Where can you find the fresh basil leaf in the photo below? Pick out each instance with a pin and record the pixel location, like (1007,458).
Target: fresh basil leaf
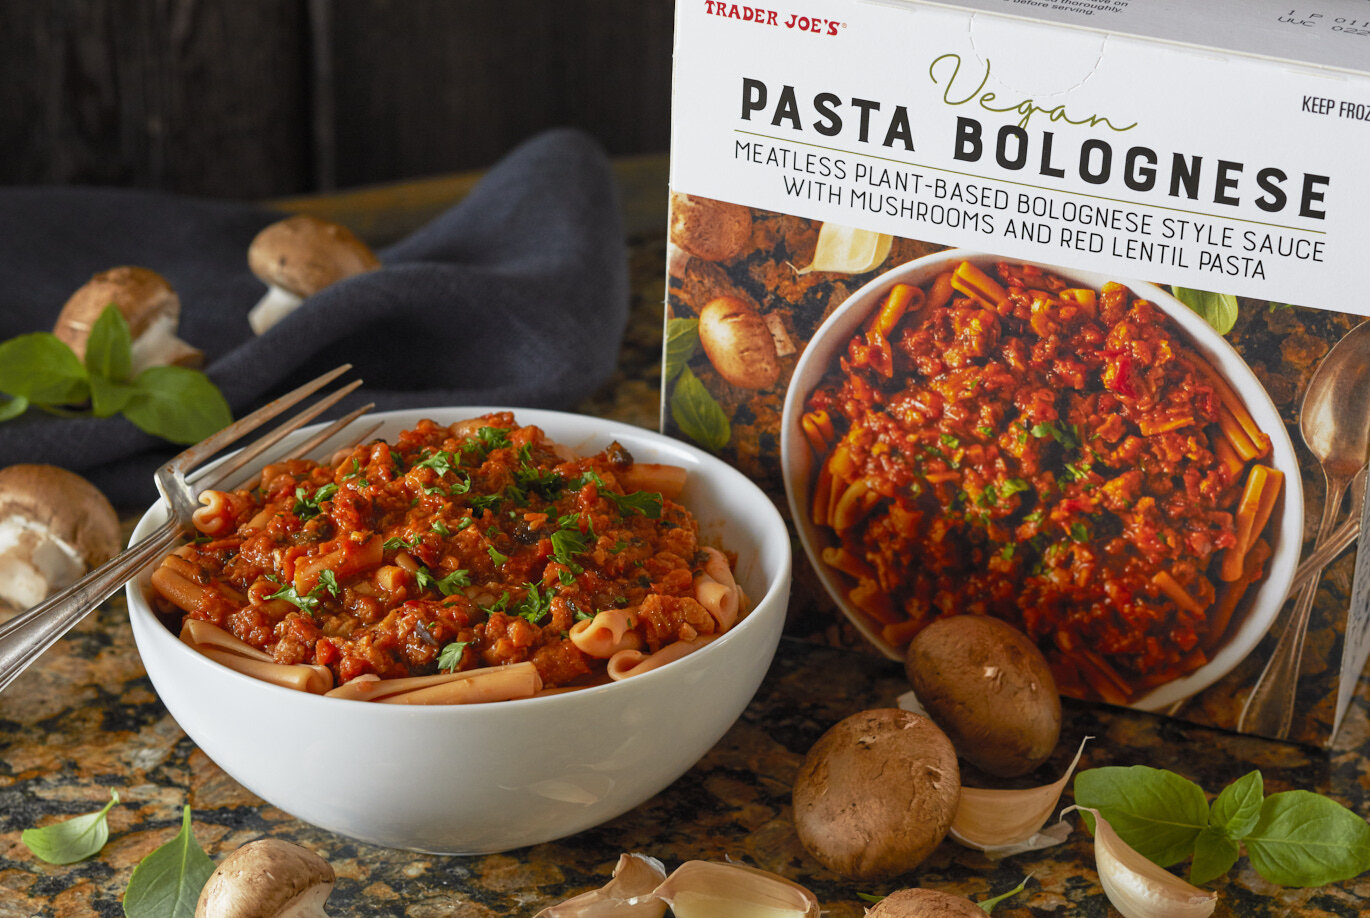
(1214,854)
(682,343)
(1238,806)
(1305,839)
(987,906)
(1157,812)
(698,414)
(43,370)
(70,840)
(108,396)
(109,350)
(177,404)
(167,883)
(1217,309)
(13,407)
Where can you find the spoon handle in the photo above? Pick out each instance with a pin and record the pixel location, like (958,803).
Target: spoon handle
(1269,709)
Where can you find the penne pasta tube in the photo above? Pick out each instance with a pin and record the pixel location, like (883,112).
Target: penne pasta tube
(316,680)
(605,635)
(628,663)
(843,560)
(198,633)
(719,599)
(182,592)
(976,284)
(818,430)
(667,480)
(1172,588)
(467,687)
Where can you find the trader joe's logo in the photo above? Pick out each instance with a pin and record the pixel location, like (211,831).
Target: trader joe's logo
(777,18)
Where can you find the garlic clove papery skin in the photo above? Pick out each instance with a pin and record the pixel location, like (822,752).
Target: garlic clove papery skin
(628,894)
(1005,822)
(1138,888)
(713,889)
(848,250)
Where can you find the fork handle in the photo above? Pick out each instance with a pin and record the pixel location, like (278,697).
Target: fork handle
(24,637)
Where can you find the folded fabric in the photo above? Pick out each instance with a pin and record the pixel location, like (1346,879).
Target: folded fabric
(517,296)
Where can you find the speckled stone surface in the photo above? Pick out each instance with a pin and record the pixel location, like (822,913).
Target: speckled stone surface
(84,721)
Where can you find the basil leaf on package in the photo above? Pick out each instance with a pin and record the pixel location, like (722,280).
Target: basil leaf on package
(698,414)
(40,368)
(1157,812)
(1214,854)
(73,839)
(109,350)
(1217,309)
(177,404)
(167,883)
(1305,839)
(682,343)
(12,407)
(1238,806)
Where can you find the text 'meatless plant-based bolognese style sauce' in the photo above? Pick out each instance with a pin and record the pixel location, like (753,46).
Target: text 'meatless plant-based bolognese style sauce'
(455,549)
(1001,442)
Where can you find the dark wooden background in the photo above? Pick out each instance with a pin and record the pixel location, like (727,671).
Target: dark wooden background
(263,98)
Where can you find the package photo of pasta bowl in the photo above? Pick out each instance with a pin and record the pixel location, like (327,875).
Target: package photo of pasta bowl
(515,624)
(1079,455)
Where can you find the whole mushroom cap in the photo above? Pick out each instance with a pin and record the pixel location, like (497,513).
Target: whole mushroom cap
(144,298)
(268,878)
(924,903)
(303,254)
(71,508)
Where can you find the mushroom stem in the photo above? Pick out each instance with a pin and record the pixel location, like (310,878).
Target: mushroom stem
(275,305)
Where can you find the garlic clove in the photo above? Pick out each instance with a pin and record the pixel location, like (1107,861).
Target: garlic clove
(714,889)
(1005,822)
(848,250)
(1139,888)
(629,894)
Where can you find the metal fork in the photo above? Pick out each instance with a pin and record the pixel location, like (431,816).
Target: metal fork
(24,637)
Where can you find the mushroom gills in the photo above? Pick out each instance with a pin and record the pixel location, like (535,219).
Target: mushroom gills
(34,562)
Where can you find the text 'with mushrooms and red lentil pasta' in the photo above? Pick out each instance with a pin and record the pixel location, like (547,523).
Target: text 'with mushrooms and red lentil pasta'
(1001,442)
(463,563)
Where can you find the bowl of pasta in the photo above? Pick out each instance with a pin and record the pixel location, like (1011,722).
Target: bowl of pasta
(1084,458)
(478,630)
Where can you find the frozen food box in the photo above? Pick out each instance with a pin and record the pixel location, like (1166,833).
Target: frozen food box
(1048,310)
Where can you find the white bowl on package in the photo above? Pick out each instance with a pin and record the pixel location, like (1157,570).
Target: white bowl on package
(475,779)
(1258,610)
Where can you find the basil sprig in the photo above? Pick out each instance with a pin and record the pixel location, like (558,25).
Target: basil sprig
(1219,310)
(174,403)
(1294,838)
(167,883)
(70,840)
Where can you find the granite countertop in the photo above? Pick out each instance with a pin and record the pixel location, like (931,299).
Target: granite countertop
(84,720)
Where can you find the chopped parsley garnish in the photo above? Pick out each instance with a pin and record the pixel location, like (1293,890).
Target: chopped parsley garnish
(440,529)
(496,557)
(949,440)
(1079,532)
(568,542)
(395,543)
(441,462)
(1007,551)
(486,440)
(308,603)
(447,586)
(1068,435)
(647,503)
(328,581)
(307,505)
(985,431)
(535,605)
(500,604)
(356,473)
(449,658)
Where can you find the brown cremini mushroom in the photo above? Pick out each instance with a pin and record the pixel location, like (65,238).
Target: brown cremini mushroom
(299,256)
(924,903)
(54,526)
(709,229)
(268,878)
(148,304)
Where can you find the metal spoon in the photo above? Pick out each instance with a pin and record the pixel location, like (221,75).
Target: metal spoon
(1335,422)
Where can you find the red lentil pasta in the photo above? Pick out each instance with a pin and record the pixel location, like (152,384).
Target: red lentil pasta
(464,563)
(1001,442)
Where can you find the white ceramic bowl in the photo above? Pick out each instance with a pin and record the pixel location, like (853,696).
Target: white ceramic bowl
(1258,611)
(483,778)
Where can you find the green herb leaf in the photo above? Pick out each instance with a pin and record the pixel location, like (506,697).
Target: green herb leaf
(1157,812)
(449,658)
(448,585)
(698,414)
(13,407)
(987,906)
(109,349)
(1217,309)
(70,840)
(497,557)
(1237,808)
(682,343)
(42,369)
(307,506)
(168,881)
(1214,854)
(109,397)
(646,503)
(535,604)
(177,404)
(1305,839)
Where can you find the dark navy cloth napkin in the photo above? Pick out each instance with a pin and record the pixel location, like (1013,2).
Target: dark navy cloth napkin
(516,296)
